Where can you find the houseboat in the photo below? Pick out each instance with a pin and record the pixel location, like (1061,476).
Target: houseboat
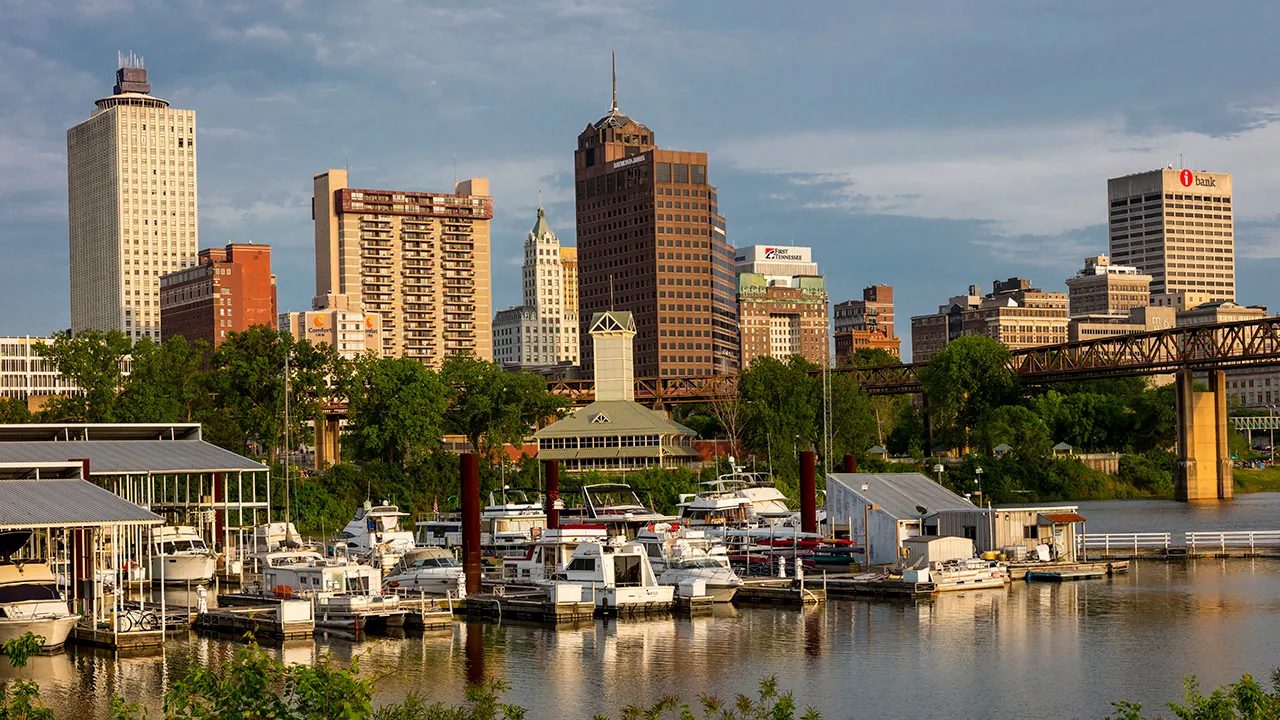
(180,555)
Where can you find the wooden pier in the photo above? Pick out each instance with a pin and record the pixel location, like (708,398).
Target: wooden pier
(279,620)
(784,592)
(529,605)
(861,586)
(1076,570)
(132,640)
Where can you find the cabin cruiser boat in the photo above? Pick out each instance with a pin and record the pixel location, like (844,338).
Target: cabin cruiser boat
(615,506)
(437,532)
(30,601)
(374,534)
(618,576)
(549,554)
(273,536)
(682,554)
(180,555)
(345,593)
(509,522)
(735,500)
(966,574)
(433,571)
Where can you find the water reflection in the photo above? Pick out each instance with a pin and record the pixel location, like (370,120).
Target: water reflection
(1033,650)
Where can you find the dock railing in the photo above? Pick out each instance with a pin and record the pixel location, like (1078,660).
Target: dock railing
(1232,540)
(1112,543)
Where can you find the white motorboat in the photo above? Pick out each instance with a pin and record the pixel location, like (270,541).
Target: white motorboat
(737,499)
(435,531)
(680,554)
(273,536)
(179,554)
(549,554)
(433,571)
(617,577)
(509,522)
(346,593)
(31,603)
(374,535)
(615,506)
(967,574)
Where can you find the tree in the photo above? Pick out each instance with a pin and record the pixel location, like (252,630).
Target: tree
(13,411)
(853,422)
(94,362)
(1016,426)
(490,406)
(780,412)
(963,382)
(166,382)
(725,405)
(395,409)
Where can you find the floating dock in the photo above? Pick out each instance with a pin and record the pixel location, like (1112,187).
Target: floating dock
(1064,575)
(278,620)
(879,586)
(784,592)
(530,605)
(1078,570)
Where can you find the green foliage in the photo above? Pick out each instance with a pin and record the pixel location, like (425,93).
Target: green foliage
(21,648)
(965,381)
(165,383)
(781,402)
(1150,472)
(13,411)
(853,421)
(395,410)
(1242,700)
(93,361)
(490,407)
(1015,426)
(769,704)
(21,700)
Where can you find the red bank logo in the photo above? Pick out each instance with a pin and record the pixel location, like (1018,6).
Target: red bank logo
(1186,178)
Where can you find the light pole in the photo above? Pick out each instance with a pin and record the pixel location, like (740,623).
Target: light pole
(977,481)
(939,469)
(1271,409)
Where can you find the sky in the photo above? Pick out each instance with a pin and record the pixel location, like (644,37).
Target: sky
(928,146)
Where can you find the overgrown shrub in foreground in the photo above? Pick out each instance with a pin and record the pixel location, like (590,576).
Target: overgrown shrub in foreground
(1243,700)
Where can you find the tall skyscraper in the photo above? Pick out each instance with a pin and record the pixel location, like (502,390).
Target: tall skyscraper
(651,242)
(544,330)
(131,201)
(230,290)
(1177,227)
(782,304)
(419,261)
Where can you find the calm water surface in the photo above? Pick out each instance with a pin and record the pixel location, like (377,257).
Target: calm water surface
(1032,651)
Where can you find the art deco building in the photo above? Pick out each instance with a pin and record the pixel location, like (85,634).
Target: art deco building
(230,290)
(544,330)
(866,323)
(651,242)
(131,202)
(419,261)
(782,304)
(1177,227)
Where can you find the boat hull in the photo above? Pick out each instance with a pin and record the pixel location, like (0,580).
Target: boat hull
(53,630)
(431,585)
(178,569)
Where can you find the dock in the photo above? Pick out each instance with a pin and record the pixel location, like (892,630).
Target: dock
(875,585)
(278,620)
(784,592)
(1064,575)
(532,604)
(1183,546)
(132,640)
(1076,570)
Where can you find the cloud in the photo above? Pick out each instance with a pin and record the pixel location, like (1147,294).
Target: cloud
(1028,179)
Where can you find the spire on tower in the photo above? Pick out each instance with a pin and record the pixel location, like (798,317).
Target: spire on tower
(613,61)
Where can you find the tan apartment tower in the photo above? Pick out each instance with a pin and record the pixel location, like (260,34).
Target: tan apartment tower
(131,205)
(1177,227)
(417,260)
(651,242)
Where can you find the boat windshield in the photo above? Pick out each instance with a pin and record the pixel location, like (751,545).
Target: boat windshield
(443,562)
(699,562)
(28,592)
(171,547)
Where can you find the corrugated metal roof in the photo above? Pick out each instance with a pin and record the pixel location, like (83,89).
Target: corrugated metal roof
(120,457)
(28,504)
(898,494)
(1060,518)
(100,431)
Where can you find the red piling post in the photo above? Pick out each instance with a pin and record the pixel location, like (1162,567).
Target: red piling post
(850,463)
(553,494)
(808,492)
(470,466)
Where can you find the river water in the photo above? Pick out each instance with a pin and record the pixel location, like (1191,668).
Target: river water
(1031,651)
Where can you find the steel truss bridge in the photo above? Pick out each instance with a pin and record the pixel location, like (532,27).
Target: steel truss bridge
(1196,348)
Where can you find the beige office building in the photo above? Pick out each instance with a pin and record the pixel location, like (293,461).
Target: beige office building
(1103,289)
(1014,314)
(131,202)
(542,332)
(419,261)
(352,333)
(1177,227)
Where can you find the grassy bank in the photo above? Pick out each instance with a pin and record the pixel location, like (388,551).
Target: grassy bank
(1252,481)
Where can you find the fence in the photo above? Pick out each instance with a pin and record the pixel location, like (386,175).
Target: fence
(1190,543)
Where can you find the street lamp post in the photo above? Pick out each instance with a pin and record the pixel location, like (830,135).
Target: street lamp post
(977,482)
(938,469)
(1271,409)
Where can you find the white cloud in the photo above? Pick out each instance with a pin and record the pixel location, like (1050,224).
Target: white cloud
(1032,179)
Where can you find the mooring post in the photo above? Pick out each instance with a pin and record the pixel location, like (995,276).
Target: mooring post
(470,467)
(553,494)
(808,492)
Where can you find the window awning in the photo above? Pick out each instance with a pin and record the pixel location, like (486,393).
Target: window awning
(1060,518)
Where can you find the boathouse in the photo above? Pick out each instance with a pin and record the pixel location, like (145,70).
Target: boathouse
(1017,531)
(884,509)
(615,433)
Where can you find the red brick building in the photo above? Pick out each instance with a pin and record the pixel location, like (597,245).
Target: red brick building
(230,290)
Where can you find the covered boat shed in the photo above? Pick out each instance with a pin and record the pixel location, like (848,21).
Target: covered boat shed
(89,537)
(166,468)
(884,509)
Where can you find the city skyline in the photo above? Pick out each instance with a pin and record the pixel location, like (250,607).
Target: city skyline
(1010,180)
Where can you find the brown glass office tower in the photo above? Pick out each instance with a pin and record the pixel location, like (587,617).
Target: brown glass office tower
(651,242)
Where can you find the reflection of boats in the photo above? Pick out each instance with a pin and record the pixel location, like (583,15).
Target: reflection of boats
(180,555)
(434,571)
(342,590)
(29,598)
(374,534)
(681,554)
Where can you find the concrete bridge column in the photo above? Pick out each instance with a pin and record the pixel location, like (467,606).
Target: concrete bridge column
(1204,460)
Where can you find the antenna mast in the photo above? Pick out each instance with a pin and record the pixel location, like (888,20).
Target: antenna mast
(613,62)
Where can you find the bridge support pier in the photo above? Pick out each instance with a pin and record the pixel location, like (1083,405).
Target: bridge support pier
(1204,470)
(328,442)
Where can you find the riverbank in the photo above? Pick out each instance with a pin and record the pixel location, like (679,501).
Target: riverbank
(1255,481)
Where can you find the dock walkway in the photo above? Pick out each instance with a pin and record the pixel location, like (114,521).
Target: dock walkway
(1179,546)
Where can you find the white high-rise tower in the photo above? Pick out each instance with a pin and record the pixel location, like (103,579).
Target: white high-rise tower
(131,196)
(544,330)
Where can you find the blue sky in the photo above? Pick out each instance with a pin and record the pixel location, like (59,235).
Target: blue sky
(928,146)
